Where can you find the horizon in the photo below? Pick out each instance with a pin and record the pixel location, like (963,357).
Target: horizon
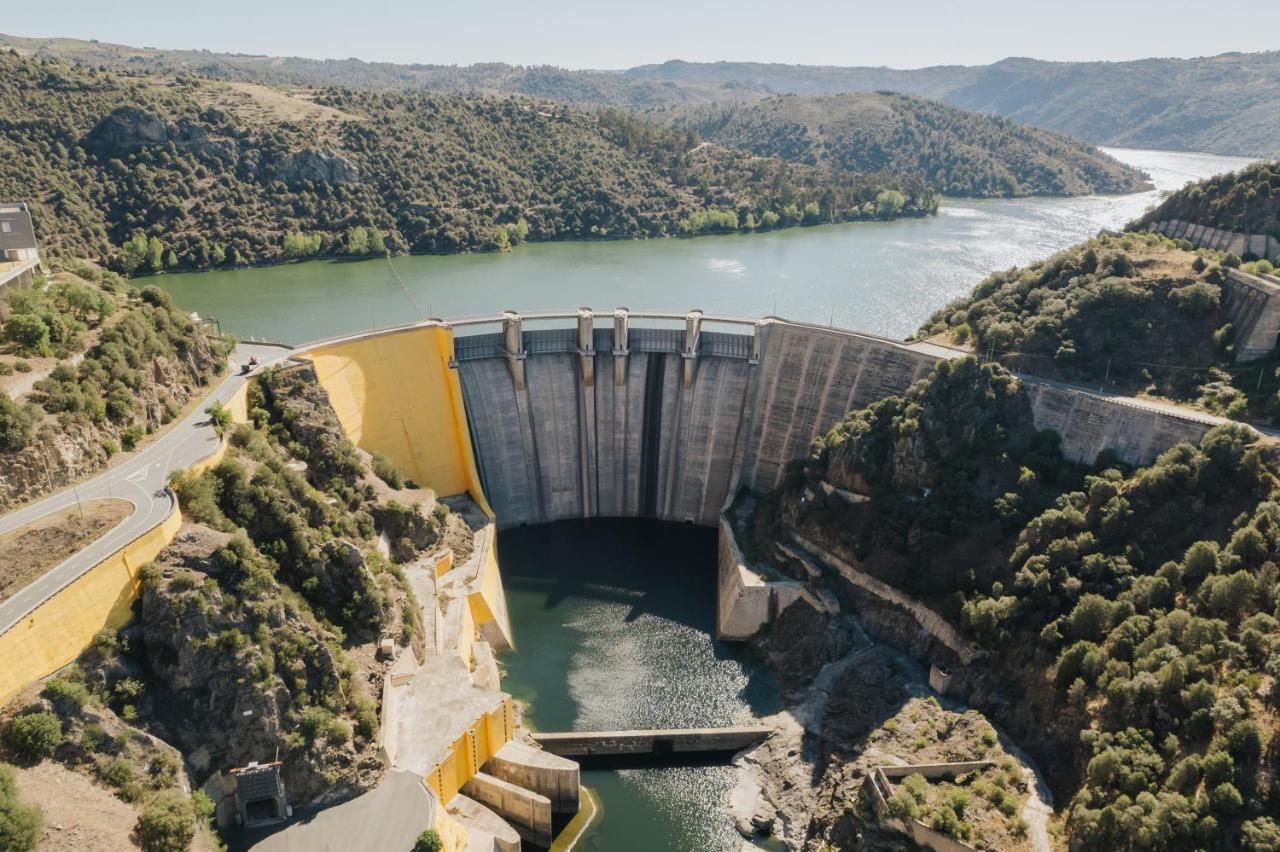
(577,36)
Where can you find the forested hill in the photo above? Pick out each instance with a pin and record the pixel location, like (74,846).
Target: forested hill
(958,152)
(154,172)
(1228,104)
(1247,202)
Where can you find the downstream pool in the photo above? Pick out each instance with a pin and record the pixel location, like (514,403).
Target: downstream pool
(613,620)
(880,277)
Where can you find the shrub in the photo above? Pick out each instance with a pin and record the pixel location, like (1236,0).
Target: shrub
(34,736)
(118,774)
(386,471)
(20,824)
(166,824)
(68,696)
(903,806)
(428,841)
(28,333)
(130,437)
(15,425)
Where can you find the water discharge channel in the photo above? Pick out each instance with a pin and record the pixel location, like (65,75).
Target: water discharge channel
(613,619)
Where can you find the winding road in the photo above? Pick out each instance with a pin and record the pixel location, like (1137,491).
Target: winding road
(142,480)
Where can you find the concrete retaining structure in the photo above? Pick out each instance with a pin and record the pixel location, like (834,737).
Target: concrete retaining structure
(540,771)
(674,741)
(1241,245)
(1253,305)
(528,813)
(746,601)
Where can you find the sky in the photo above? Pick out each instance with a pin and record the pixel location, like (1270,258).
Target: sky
(610,34)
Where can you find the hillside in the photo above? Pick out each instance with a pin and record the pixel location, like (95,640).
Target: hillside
(1247,202)
(1138,314)
(1224,104)
(89,369)
(960,153)
(1127,618)
(156,173)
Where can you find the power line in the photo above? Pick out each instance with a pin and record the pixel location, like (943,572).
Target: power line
(404,289)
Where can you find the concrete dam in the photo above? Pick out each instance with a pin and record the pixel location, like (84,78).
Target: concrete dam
(670,422)
(552,416)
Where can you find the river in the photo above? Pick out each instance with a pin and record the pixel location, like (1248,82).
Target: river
(612,619)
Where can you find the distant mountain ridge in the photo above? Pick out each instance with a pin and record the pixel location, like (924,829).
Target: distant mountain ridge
(1226,104)
(959,152)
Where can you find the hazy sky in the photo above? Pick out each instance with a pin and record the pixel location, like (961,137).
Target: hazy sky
(610,34)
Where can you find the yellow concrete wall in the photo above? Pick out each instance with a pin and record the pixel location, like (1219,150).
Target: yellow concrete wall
(472,750)
(395,394)
(64,626)
(490,602)
(238,405)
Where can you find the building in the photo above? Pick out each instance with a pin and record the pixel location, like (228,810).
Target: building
(19,254)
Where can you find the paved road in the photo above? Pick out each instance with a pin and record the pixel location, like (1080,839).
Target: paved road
(141,480)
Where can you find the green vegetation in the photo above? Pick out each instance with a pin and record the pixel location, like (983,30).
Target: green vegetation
(166,824)
(1134,314)
(1150,597)
(956,152)
(428,841)
(1247,202)
(33,736)
(1223,104)
(20,823)
(156,173)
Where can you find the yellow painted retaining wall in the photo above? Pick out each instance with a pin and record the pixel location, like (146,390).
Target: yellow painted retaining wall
(395,394)
(63,627)
(489,604)
(472,750)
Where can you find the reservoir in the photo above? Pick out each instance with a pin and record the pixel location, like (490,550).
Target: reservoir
(880,277)
(613,619)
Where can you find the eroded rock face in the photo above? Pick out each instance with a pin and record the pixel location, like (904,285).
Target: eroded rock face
(238,672)
(129,128)
(313,165)
(60,455)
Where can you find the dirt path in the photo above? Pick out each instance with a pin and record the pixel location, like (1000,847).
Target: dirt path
(79,815)
(31,551)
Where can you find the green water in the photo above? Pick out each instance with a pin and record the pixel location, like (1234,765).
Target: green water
(613,621)
(877,277)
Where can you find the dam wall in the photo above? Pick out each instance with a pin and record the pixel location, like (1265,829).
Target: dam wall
(631,438)
(672,423)
(1253,306)
(1241,245)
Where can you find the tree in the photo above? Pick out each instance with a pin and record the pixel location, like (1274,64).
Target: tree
(219,418)
(1261,835)
(167,824)
(768,219)
(34,736)
(15,425)
(133,253)
(889,203)
(29,333)
(428,841)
